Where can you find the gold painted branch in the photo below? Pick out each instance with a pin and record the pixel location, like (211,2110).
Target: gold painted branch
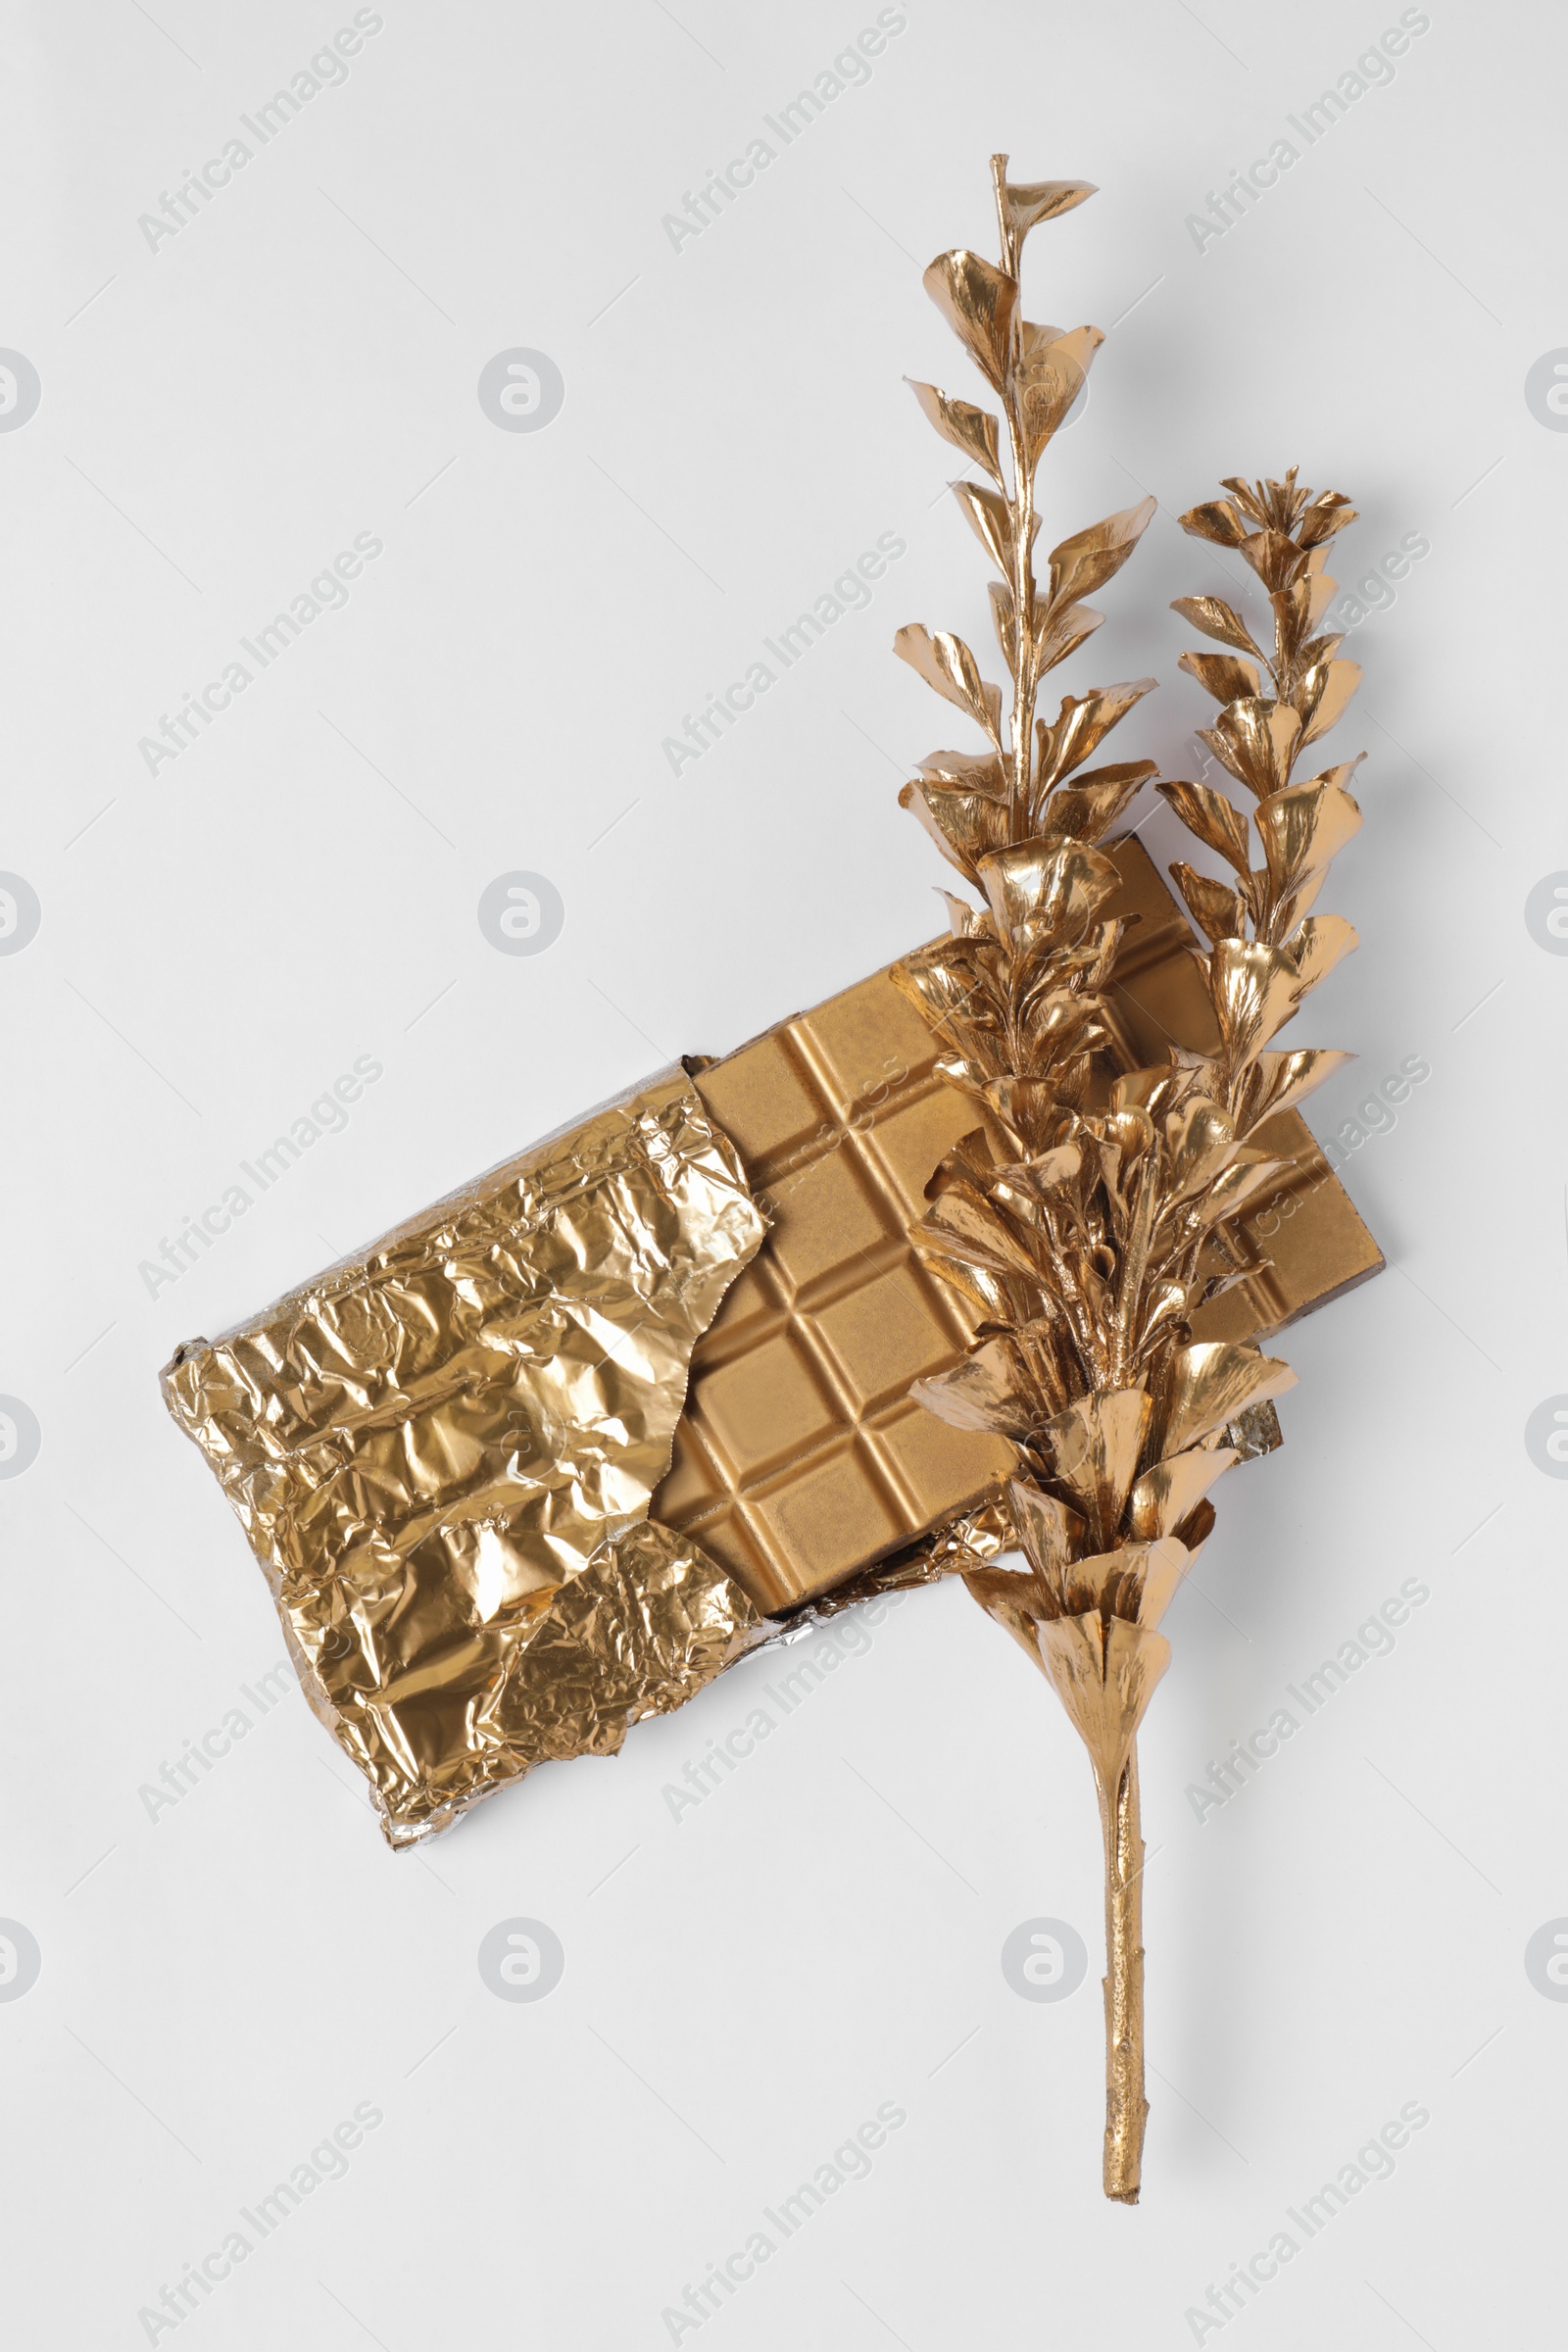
(1086,1231)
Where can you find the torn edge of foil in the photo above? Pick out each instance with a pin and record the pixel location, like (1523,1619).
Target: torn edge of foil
(640,1619)
(971,1540)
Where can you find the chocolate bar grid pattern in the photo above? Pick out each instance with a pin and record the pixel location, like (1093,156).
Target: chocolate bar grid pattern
(791,1524)
(802,1456)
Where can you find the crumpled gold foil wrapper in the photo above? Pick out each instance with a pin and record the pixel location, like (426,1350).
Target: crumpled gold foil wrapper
(443,1451)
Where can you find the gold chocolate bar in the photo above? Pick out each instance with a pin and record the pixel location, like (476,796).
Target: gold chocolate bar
(800,1458)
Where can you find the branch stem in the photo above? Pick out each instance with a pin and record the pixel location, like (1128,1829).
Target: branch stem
(1022,585)
(1126,2108)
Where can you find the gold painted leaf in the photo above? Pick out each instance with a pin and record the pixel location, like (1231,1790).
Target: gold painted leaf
(1216,618)
(1127,1133)
(948,988)
(1157,1573)
(1222,675)
(1046,1528)
(982,1391)
(1322,942)
(1199,1140)
(1164,1495)
(1025,204)
(1029,1111)
(1254,740)
(1092,557)
(964,825)
(1095,1583)
(1065,633)
(1340,775)
(1135,1584)
(1326,692)
(1214,905)
(1259,502)
(1255,991)
(1211,1381)
(1061,885)
(990,517)
(966,429)
(1319,650)
(1169,1303)
(1082,725)
(969,1074)
(981,305)
(1105,1675)
(1059,1024)
(1245,1178)
(1012,1601)
(1094,1446)
(947,664)
(1153,1089)
(984,1293)
(1325,514)
(1303,829)
(1280,1080)
(962,1225)
(1217,821)
(1053,1170)
(1218,523)
(1276,560)
(1089,806)
(1052,369)
(1298,610)
(969,771)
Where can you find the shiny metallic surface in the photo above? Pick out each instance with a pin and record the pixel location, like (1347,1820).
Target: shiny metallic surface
(1093,1231)
(443,1451)
(801,1459)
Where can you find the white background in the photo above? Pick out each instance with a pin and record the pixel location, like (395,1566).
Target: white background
(219,417)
